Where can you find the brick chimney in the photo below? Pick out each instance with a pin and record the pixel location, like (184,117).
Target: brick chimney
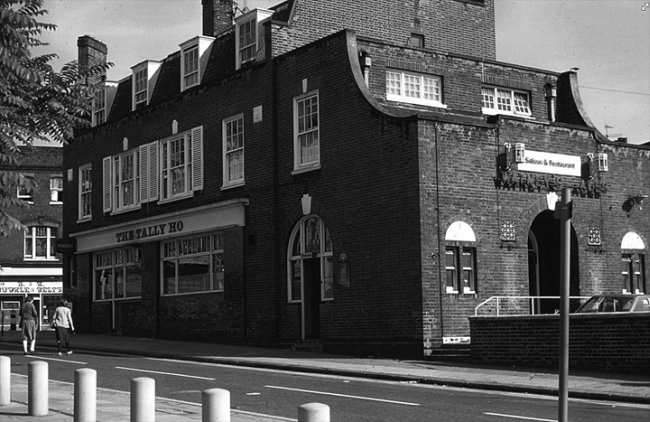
(217,16)
(91,52)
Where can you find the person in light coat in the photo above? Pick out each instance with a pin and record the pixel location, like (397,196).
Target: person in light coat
(62,323)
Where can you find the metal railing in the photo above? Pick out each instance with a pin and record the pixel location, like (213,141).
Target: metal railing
(522,305)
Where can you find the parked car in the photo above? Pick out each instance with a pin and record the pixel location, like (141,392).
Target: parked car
(615,303)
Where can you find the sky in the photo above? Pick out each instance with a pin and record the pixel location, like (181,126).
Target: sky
(608,40)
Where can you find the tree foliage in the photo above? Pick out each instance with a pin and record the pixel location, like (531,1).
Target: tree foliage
(37,103)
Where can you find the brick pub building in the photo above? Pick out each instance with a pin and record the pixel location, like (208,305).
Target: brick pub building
(356,176)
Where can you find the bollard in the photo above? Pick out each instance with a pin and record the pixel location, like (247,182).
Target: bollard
(85,395)
(143,400)
(5,380)
(314,412)
(215,405)
(37,389)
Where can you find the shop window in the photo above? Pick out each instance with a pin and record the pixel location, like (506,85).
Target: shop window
(118,274)
(40,243)
(193,265)
(56,190)
(306,132)
(310,243)
(233,151)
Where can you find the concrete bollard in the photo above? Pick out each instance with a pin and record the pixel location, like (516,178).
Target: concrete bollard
(85,395)
(5,380)
(215,405)
(37,388)
(143,400)
(314,412)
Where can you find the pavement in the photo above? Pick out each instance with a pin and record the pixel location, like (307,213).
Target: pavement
(114,405)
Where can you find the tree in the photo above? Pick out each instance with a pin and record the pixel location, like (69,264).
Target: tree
(36,102)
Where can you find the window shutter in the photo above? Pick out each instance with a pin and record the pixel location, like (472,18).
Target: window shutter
(153,171)
(144,173)
(197,158)
(108,188)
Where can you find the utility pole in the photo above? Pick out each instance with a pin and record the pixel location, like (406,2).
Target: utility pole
(564,211)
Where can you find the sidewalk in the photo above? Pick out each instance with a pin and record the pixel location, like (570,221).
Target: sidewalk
(615,386)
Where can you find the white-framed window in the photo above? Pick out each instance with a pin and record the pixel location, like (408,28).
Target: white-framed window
(126,181)
(233,151)
(193,265)
(26,189)
(416,88)
(40,243)
(306,131)
(175,167)
(460,269)
(309,256)
(118,273)
(140,87)
(247,41)
(99,107)
(56,190)
(191,67)
(633,272)
(85,192)
(505,101)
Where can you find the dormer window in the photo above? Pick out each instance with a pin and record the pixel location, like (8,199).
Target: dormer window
(102,102)
(250,35)
(140,87)
(99,107)
(194,59)
(144,80)
(191,68)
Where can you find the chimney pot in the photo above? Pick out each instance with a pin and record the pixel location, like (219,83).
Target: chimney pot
(217,16)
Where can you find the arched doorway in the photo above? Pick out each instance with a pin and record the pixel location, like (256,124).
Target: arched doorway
(310,270)
(544,257)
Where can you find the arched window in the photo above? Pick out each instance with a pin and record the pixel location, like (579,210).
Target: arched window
(633,263)
(310,257)
(460,258)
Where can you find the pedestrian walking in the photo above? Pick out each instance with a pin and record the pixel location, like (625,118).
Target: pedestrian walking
(28,316)
(62,323)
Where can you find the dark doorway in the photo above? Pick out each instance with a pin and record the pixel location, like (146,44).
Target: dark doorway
(311,299)
(544,256)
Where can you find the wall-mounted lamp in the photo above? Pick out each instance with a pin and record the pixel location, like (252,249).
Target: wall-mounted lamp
(366,63)
(520,152)
(637,200)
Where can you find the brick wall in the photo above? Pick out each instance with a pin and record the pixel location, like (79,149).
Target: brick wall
(609,342)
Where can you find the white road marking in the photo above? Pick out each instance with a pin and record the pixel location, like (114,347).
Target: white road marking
(325,393)
(39,357)
(164,373)
(523,418)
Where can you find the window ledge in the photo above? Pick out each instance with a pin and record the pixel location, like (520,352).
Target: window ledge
(41,259)
(233,185)
(85,219)
(56,203)
(202,292)
(492,112)
(176,198)
(417,101)
(125,210)
(306,169)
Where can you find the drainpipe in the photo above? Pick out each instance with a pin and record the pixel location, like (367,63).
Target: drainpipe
(440,244)
(551,95)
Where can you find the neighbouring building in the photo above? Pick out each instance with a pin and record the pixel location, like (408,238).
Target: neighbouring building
(355,176)
(29,261)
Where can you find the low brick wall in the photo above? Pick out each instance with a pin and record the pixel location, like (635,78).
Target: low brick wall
(609,342)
